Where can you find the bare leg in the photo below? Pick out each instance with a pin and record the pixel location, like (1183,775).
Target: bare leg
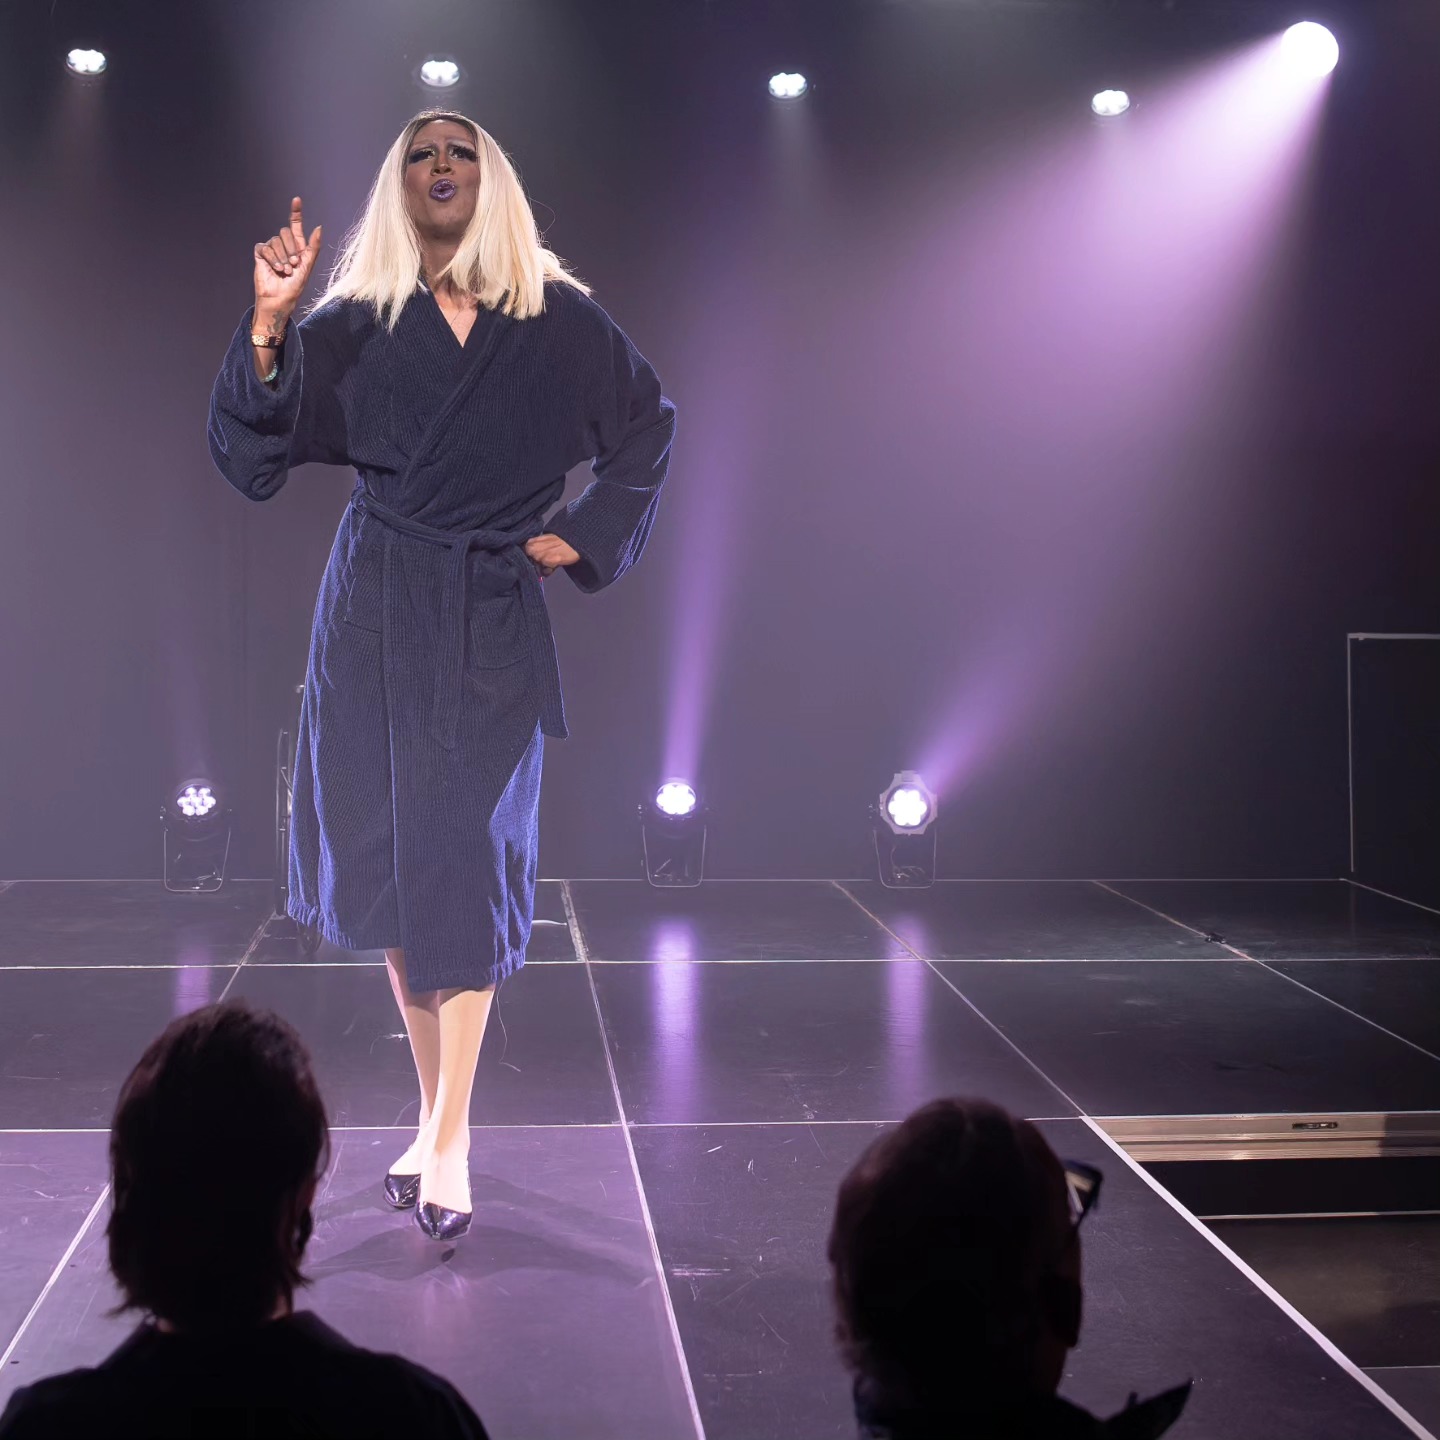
(421,1014)
(445,1167)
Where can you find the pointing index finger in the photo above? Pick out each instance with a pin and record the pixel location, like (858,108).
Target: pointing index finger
(297,222)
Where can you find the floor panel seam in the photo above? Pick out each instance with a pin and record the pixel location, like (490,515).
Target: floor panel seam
(1131,900)
(244,960)
(1354,1014)
(965,999)
(1390,895)
(55,1275)
(582,951)
(1270,967)
(1321,1215)
(1327,1345)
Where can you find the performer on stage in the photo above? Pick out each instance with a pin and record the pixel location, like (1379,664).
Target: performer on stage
(456,363)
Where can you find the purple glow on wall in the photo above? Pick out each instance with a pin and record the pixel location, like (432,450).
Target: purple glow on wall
(703,524)
(736,385)
(1107,291)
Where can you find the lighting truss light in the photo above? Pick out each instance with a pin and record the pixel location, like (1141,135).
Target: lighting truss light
(788,87)
(673,828)
(676,798)
(440,73)
(904,830)
(1110,102)
(86,62)
(1310,49)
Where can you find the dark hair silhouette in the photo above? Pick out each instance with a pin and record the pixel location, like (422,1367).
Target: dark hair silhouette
(943,1232)
(219,1134)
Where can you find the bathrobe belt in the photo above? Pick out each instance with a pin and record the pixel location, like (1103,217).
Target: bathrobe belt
(450,666)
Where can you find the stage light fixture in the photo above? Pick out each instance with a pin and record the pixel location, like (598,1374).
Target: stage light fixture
(196,801)
(676,798)
(1310,49)
(440,73)
(673,828)
(905,833)
(86,62)
(907,808)
(197,831)
(788,87)
(1110,102)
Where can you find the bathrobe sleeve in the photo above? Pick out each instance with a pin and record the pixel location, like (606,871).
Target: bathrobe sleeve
(257,432)
(631,430)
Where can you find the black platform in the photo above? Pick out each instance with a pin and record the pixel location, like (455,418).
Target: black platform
(673,1088)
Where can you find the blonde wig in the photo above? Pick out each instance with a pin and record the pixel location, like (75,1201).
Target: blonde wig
(501,260)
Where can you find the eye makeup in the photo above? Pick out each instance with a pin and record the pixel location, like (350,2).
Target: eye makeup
(458,150)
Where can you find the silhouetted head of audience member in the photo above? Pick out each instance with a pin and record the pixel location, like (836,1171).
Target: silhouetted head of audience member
(218,1141)
(956,1264)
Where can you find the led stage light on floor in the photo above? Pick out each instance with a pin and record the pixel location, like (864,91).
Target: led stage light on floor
(905,833)
(676,798)
(197,830)
(440,73)
(788,87)
(672,836)
(1110,102)
(195,802)
(86,62)
(908,804)
(1310,49)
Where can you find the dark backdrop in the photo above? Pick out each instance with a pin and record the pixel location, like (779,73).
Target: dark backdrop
(1105,575)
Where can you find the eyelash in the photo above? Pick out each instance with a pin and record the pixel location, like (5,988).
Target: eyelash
(463,151)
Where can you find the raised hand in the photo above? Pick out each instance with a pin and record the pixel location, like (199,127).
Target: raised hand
(282,266)
(549,553)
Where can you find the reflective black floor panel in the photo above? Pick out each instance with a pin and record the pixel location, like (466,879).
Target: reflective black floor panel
(1026,920)
(1371,1282)
(742,1215)
(751,1085)
(1401,995)
(549,1316)
(1208,1038)
(127,922)
(704,1043)
(728,920)
(69,1037)
(1295,919)
(48,1185)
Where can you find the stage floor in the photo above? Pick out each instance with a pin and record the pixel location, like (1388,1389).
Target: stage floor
(673,1087)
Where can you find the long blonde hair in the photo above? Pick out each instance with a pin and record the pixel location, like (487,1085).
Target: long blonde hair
(501,260)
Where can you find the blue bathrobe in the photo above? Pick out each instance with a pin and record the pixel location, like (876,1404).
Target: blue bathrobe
(432,677)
